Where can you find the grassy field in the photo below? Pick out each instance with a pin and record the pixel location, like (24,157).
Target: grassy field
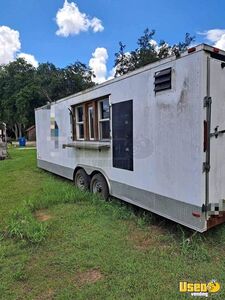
(58,243)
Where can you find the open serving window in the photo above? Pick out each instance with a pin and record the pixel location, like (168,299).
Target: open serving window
(91,124)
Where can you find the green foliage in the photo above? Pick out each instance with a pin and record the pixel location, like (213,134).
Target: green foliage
(19,273)
(22,225)
(76,77)
(17,89)
(147,52)
(193,246)
(55,83)
(24,88)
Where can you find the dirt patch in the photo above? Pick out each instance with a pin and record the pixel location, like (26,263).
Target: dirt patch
(143,244)
(42,215)
(48,295)
(89,276)
(141,240)
(145,239)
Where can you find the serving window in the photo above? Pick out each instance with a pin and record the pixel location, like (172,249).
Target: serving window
(91,120)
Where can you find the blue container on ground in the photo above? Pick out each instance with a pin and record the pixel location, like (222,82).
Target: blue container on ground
(22,142)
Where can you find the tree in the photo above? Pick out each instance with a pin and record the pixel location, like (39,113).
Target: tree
(122,61)
(24,88)
(182,46)
(148,51)
(16,78)
(55,83)
(49,81)
(76,77)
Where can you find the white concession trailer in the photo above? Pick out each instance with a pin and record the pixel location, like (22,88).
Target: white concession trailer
(154,138)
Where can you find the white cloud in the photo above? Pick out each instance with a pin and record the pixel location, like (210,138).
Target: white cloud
(96,24)
(112,73)
(71,21)
(9,44)
(30,59)
(216,37)
(153,43)
(98,64)
(221,42)
(213,35)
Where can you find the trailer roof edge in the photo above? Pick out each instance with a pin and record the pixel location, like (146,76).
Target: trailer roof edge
(201,47)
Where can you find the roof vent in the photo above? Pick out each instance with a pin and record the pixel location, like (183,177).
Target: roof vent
(163,80)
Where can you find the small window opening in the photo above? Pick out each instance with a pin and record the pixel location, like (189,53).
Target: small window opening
(80,122)
(91,122)
(104,123)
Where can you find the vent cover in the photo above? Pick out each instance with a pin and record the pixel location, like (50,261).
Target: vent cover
(163,80)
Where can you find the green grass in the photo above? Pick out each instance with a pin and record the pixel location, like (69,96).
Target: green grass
(89,248)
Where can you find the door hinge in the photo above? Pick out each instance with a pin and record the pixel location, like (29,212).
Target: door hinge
(217,132)
(207,101)
(206,167)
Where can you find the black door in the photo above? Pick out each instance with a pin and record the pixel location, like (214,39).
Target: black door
(122,131)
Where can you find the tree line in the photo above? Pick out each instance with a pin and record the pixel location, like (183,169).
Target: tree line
(147,51)
(24,87)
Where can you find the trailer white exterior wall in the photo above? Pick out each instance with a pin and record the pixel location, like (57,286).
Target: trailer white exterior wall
(168,137)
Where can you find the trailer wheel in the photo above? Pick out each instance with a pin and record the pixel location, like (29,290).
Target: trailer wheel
(82,180)
(99,186)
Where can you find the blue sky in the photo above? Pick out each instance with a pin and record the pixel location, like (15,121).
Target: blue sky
(105,23)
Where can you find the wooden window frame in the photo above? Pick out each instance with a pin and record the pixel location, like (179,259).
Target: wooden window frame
(96,120)
(100,121)
(78,123)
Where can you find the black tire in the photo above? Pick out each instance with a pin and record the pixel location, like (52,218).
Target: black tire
(99,186)
(82,180)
